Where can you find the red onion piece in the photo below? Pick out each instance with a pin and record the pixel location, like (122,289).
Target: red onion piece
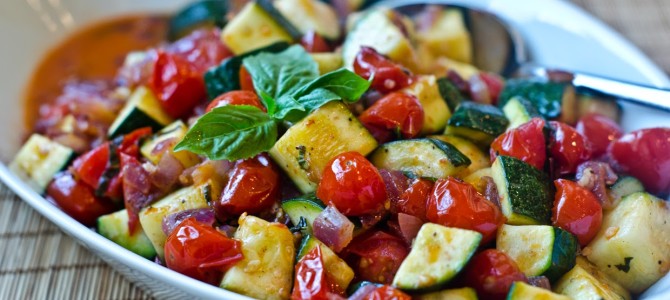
(167,172)
(595,176)
(479,91)
(396,183)
(409,226)
(460,83)
(540,281)
(136,188)
(333,228)
(226,229)
(491,191)
(172,221)
(363,291)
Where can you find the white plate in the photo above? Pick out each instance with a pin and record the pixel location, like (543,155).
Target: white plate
(558,33)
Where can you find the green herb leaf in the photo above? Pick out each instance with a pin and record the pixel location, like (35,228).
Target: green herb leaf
(231,132)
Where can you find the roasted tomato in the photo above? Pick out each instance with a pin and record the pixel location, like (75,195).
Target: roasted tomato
(352,184)
(396,112)
(568,148)
(645,155)
(599,131)
(77,199)
(576,210)
(413,200)
(311,281)
(178,85)
(314,43)
(236,98)
(376,256)
(253,187)
(491,273)
(454,203)
(494,83)
(202,48)
(388,76)
(525,142)
(386,292)
(199,251)
(246,82)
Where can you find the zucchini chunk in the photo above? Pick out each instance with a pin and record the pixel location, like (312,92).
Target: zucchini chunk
(519,111)
(633,245)
(338,269)
(466,293)
(252,28)
(114,227)
(423,157)
(141,110)
(539,249)
(546,96)
(190,197)
(376,29)
(307,147)
(175,132)
(448,36)
(593,104)
(623,187)
(521,291)
(211,13)
(38,161)
(478,159)
(307,206)
(309,15)
(480,123)
(436,113)
(438,254)
(449,93)
(327,61)
(585,281)
(525,192)
(226,76)
(266,271)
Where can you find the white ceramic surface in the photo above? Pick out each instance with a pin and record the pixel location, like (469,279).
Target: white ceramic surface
(558,33)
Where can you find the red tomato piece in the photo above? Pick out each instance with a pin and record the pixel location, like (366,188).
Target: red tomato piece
(377,256)
(455,203)
(314,43)
(388,76)
(386,293)
(90,166)
(599,131)
(199,251)
(202,48)
(131,142)
(491,273)
(253,187)
(494,83)
(568,148)
(352,184)
(576,210)
(236,98)
(246,82)
(398,112)
(310,281)
(178,85)
(413,200)
(645,155)
(77,199)
(525,142)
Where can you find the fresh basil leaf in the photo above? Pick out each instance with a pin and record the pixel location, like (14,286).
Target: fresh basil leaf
(342,82)
(231,132)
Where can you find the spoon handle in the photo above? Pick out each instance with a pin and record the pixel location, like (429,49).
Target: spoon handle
(624,91)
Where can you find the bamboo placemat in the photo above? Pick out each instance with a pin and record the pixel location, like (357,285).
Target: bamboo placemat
(37,261)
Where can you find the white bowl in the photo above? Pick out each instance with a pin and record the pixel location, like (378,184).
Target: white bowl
(558,33)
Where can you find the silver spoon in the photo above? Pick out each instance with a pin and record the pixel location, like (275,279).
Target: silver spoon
(499,48)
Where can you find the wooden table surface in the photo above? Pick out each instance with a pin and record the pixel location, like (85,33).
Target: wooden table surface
(37,261)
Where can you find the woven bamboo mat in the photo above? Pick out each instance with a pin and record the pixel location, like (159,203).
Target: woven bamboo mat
(37,261)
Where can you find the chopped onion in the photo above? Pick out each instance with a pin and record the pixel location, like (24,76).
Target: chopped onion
(479,91)
(363,291)
(409,226)
(333,228)
(396,184)
(491,191)
(172,221)
(167,172)
(595,176)
(540,281)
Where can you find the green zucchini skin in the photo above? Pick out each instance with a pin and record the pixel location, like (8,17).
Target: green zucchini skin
(197,14)
(114,227)
(226,76)
(37,169)
(480,123)
(293,31)
(449,93)
(307,206)
(623,187)
(563,255)
(544,95)
(518,111)
(521,290)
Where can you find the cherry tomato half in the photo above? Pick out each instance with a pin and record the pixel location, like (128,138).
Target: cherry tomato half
(645,155)
(90,166)
(314,43)
(413,200)
(491,273)
(525,142)
(352,184)
(576,210)
(599,131)
(568,148)
(199,251)
(246,82)
(397,112)
(454,203)
(177,84)
(236,98)
(310,281)
(386,292)
(202,48)
(77,199)
(377,256)
(494,83)
(388,76)
(253,187)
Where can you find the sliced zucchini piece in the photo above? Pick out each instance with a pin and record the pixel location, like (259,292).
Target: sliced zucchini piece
(307,147)
(114,227)
(422,157)
(338,269)
(173,132)
(442,65)
(633,245)
(327,61)
(466,293)
(449,93)
(519,111)
(546,96)
(191,197)
(141,110)
(585,281)
(525,192)
(448,36)
(587,104)
(623,187)
(480,123)
(266,271)
(38,161)
(438,254)
(308,15)
(436,113)
(522,291)
(226,76)
(210,13)
(478,159)
(539,250)
(252,28)
(307,206)
(376,29)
